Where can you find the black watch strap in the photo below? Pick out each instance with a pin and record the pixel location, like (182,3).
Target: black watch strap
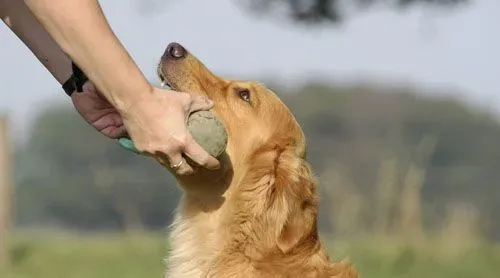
(75,81)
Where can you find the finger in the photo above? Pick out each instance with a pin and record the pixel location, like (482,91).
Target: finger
(199,103)
(88,86)
(115,132)
(177,163)
(200,156)
(163,160)
(110,125)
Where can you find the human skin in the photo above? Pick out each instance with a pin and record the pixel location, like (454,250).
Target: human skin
(119,99)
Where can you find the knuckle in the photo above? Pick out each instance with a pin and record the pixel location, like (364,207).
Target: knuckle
(158,153)
(184,171)
(179,142)
(204,100)
(186,98)
(161,149)
(161,160)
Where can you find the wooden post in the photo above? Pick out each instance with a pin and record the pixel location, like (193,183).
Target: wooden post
(5,191)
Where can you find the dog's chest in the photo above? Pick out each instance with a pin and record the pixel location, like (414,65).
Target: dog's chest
(194,244)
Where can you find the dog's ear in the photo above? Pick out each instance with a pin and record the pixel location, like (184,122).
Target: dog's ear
(293,201)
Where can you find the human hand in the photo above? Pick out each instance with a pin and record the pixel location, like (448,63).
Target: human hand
(157,126)
(98,112)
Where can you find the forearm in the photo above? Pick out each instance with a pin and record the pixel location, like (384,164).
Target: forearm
(80,28)
(22,22)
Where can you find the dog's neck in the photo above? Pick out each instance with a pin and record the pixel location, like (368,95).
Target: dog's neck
(202,243)
(202,228)
(195,239)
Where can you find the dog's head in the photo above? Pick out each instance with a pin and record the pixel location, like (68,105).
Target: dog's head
(266,146)
(252,114)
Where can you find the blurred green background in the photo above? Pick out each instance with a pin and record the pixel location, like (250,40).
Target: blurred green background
(408,186)
(408,178)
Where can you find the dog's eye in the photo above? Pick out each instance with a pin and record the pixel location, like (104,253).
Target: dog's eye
(244,94)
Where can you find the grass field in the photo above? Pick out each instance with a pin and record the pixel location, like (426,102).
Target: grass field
(121,256)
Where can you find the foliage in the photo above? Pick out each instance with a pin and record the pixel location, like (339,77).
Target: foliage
(103,256)
(141,256)
(333,11)
(352,130)
(72,176)
(314,12)
(365,144)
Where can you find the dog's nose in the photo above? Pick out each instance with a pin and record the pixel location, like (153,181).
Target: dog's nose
(175,51)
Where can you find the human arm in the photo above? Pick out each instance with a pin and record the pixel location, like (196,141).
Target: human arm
(16,15)
(154,118)
(80,28)
(91,105)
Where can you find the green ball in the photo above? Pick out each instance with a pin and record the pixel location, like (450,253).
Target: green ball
(206,129)
(208,132)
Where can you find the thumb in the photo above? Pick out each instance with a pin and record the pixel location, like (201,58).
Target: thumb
(89,86)
(200,103)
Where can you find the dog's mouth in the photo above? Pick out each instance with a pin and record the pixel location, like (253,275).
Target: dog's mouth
(165,83)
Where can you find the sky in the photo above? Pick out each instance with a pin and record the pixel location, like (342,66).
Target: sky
(428,48)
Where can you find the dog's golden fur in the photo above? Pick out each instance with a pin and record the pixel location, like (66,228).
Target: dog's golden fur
(256,216)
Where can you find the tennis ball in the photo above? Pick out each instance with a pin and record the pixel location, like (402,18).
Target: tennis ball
(206,130)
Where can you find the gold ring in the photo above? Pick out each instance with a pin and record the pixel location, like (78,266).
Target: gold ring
(175,166)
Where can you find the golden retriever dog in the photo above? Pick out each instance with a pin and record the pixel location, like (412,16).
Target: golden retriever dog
(256,215)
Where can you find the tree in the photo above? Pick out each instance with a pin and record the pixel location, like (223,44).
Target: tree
(364,139)
(74,177)
(351,130)
(334,11)
(317,11)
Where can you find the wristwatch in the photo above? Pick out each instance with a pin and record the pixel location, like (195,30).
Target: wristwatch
(75,81)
